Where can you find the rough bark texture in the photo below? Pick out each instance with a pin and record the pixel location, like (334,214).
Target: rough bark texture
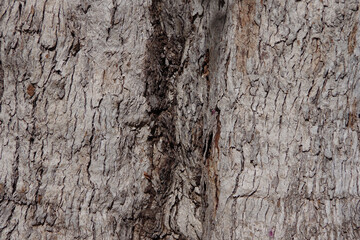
(203,119)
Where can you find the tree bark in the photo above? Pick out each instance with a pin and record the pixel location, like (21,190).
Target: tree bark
(159,119)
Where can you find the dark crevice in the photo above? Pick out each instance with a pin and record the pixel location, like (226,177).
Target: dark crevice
(1,82)
(162,66)
(212,60)
(165,48)
(207,147)
(15,176)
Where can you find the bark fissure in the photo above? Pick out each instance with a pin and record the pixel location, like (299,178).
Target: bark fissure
(162,67)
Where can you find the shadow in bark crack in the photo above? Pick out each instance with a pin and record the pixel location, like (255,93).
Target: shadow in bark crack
(1,82)
(161,67)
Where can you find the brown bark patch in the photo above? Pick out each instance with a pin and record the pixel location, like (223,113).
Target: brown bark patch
(30,90)
(352,117)
(352,39)
(217,135)
(247,33)
(215,177)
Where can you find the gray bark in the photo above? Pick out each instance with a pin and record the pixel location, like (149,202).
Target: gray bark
(203,119)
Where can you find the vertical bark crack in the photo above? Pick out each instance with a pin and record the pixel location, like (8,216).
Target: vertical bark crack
(1,83)
(162,67)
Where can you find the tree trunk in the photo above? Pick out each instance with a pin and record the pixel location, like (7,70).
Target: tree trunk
(203,119)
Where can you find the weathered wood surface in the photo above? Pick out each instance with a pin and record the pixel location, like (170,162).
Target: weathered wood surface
(203,119)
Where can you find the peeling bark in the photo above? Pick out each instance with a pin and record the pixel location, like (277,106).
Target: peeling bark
(181,119)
